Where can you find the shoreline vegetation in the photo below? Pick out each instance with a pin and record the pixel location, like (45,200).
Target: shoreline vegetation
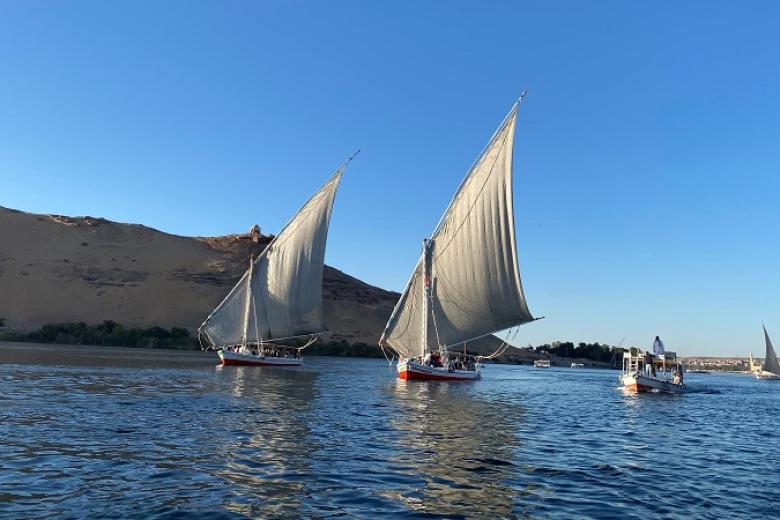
(113,334)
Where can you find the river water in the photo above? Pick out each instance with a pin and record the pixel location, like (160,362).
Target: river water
(114,432)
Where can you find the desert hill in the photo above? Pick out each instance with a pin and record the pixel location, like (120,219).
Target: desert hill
(56,269)
(59,269)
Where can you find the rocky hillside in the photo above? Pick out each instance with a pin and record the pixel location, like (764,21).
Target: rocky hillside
(60,269)
(66,269)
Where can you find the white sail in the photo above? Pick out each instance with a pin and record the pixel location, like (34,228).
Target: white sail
(280,295)
(474,273)
(770,360)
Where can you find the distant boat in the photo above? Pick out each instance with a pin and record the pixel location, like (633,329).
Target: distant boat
(578,365)
(753,365)
(542,363)
(466,284)
(659,373)
(771,368)
(280,296)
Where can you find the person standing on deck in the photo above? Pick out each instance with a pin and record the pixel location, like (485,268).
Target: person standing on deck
(658,346)
(658,350)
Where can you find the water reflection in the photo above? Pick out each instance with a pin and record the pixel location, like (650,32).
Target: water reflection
(460,445)
(109,437)
(268,449)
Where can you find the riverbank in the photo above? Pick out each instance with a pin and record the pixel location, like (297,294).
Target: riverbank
(27,353)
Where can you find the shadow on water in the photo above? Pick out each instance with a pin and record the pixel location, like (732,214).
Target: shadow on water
(459,446)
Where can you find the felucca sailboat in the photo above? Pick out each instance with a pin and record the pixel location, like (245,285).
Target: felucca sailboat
(280,295)
(771,366)
(466,284)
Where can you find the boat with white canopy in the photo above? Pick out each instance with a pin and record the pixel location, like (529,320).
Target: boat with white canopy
(771,369)
(279,297)
(466,284)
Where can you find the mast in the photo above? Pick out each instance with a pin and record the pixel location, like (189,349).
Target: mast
(426,306)
(248,301)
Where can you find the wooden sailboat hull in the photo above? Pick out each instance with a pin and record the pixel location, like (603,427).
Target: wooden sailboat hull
(234,358)
(641,384)
(413,371)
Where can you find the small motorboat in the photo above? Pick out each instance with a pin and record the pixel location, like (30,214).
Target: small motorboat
(660,373)
(542,363)
(578,365)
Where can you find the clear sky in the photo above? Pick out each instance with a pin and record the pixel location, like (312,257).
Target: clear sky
(646,157)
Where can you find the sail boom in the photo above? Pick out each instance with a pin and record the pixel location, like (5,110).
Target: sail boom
(313,334)
(490,333)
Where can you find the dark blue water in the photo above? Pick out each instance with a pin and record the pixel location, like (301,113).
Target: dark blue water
(88,433)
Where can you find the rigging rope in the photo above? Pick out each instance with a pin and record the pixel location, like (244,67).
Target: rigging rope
(504,345)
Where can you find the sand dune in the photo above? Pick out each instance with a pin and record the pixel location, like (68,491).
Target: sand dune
(58,269)
(62,269)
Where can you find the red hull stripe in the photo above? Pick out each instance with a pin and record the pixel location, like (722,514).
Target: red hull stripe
(638,388)
(410,375)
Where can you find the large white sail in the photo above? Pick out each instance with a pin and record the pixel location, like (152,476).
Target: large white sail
(474,275)
(280,295)
(770,360)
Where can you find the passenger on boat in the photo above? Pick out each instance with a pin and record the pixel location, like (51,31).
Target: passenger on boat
(427,359)
(658,346)
(649,365)
(677,378)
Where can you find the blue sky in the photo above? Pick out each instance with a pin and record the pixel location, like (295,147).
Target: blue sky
(646,158)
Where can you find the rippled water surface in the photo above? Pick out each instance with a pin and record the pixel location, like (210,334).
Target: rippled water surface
(98,432)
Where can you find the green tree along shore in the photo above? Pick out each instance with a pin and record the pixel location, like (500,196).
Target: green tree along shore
(111,333)
(108,333)
(592,351)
